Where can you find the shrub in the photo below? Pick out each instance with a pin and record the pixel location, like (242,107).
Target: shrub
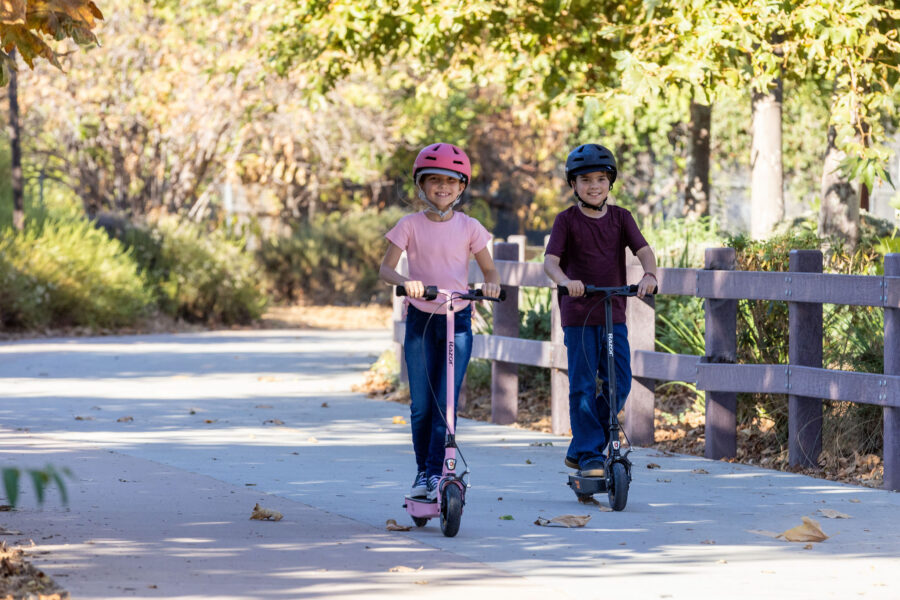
(66,272)
(334,259)
(205,276)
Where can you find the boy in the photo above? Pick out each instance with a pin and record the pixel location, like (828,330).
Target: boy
(587,246)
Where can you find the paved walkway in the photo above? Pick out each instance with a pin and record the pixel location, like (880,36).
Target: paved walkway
(174,438)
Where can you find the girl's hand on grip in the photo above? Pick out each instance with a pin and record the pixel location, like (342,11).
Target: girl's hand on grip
(491,290)
(414,289)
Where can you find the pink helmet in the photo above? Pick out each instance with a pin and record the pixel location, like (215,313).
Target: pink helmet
(443,159)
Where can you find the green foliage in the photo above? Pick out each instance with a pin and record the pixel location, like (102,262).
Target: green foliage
(66,272)
(209,277)
(333,259)
(41,479)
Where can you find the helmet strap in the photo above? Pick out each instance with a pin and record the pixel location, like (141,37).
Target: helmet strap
(434,209)
(584,204)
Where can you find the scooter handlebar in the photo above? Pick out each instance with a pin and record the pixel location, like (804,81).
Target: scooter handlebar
(593,290)
(431,293)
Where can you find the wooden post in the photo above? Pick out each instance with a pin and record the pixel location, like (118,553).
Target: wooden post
(721,347)
(892,367)
(521,241)
(641,319)
(400,317)
(804,349)
(559,379)
(505,376)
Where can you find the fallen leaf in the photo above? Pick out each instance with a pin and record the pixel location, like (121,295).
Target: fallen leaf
(273,422)
(422,582)
(854,500)
(809,531)
(700,471)
(125,419)
(653,466)
(808,547)
(210,421)
(829,513)
(506,518)
(663,480)
(399,421)
(392,525)
(709,542)
(265,514)
(564,521)
(324,405)
(402,569)
(84,418)
(313,440)
(528,461)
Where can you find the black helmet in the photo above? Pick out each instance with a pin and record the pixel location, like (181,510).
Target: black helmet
(588,158)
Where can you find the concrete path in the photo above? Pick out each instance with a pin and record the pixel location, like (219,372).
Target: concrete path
(173,439)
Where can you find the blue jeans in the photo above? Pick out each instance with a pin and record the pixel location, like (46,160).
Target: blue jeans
(425,351)
(588,411)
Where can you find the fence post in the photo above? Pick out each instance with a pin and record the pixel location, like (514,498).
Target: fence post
(559,379)
(641,318)
(804,349)
(892,367)
(522,242)
(403,269)
(505,376)
(721,347)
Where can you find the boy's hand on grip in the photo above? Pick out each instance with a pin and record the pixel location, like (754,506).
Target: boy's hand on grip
(575,287)
(646,286)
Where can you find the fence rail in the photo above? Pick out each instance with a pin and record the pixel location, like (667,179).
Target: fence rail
(805,288)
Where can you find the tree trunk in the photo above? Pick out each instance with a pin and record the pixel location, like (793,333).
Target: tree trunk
(696,193)
(767,175)
(15,137)
(839,215)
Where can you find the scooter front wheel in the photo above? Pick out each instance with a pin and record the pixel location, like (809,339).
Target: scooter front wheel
(451,510)
(618,486)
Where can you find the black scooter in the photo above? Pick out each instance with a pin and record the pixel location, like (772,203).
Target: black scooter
(617,467)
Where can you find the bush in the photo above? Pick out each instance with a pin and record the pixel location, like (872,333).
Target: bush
(204,276)
(66,272)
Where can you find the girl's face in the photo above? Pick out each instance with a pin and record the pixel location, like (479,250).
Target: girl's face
(441,190)
(592,187)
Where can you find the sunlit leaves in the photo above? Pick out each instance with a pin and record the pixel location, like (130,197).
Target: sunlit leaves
(24,25)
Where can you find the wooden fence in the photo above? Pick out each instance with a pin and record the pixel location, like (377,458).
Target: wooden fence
(805,288)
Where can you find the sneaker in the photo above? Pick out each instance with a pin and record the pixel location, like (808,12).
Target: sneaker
(433,482)
(592,468)
(571,463)
(420,486)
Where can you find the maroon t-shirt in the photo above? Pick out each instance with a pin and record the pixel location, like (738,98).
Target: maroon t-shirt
(593,251)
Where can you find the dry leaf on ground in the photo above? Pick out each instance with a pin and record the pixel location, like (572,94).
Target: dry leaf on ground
(700,471)
(265,514)
(392,525)
(830,513)
(84,418)
(399,421)
(564,521)
(273,422)
(653,466)
(809,531)
(402,569)
(125,419)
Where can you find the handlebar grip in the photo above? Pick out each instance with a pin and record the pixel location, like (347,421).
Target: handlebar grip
(480,293)
(431,291)
(562,290)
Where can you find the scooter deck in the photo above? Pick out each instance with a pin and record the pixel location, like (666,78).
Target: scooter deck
(587,486)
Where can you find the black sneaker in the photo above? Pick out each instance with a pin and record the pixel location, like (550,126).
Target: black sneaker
(433,482)
(592,468)
(420,486)
(571,463)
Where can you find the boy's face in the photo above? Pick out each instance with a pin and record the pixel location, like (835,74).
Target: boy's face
(592,187)
(441,190)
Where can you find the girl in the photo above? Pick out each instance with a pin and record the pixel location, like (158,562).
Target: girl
(438,242)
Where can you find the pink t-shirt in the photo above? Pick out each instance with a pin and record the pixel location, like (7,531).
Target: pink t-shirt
(438,252)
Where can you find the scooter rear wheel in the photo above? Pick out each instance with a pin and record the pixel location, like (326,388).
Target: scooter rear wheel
(420,521)
(618,486)
(451,510)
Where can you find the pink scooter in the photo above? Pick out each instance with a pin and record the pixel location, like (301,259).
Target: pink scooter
(452,486)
